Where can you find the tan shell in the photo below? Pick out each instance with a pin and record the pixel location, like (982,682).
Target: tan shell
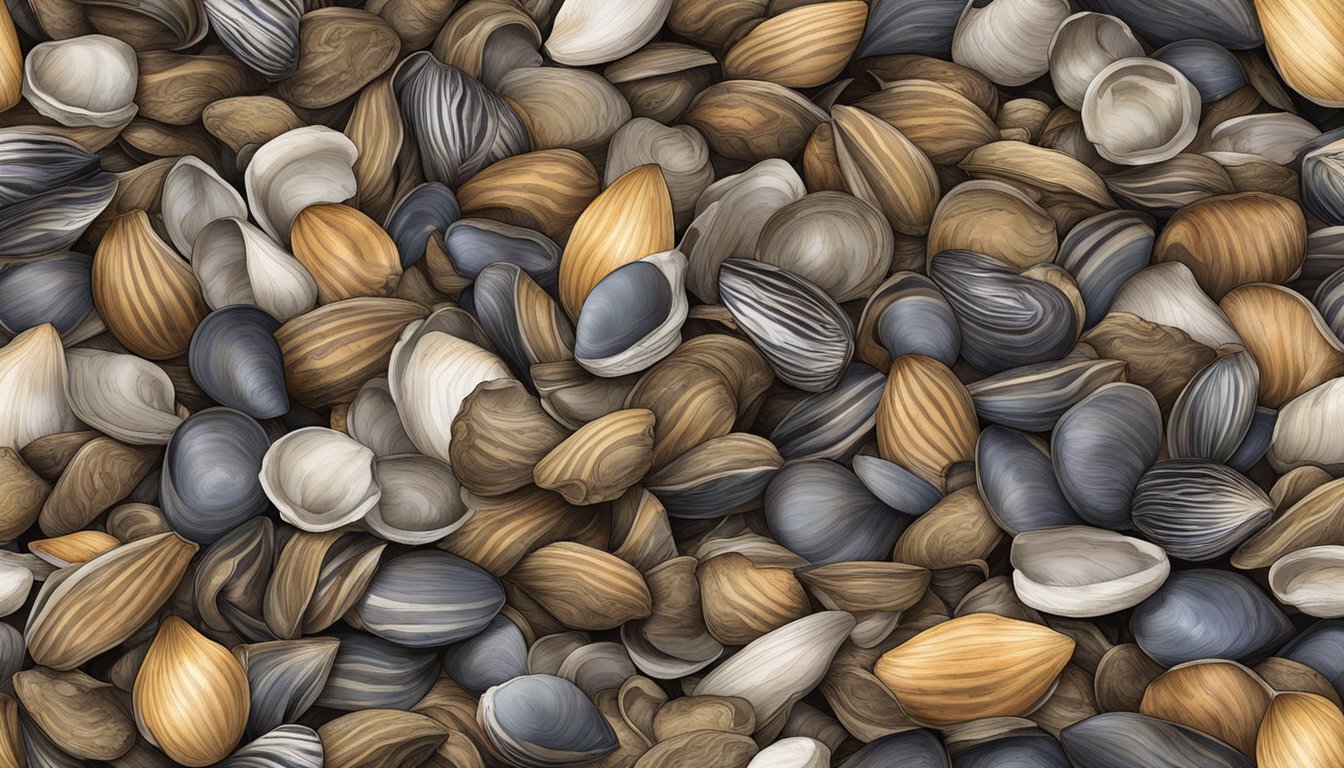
(340,51)
(918,387)
(995,219)
(753,120)
(83,716)
(346,252)
(1229,241)
(741,601)
(819,38)
(1217,697)
(881,166)
(938,119)
(1300,729)
(583,587)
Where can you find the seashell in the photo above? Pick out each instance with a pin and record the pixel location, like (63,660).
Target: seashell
(1025,661)
(545,190)
(297,169)
(287,746)
(132,261)
(1220,698)
(56,289)
(902,26)
(1199,429)
(236,263)
(985,294)
(209,482)
(100,473)
(1162,359)
(1168,294)
(52,219)
(182,662)
(824,35)
(1163,189)
(1033,397)
(340,51)
(1017,482)
(346,252)
(483,128)
(1285,675)
(428,598)
(849,244)
(1322,191)
(1120,422)
(1102,253)
(523,321)
(1253,173)
(15,585)
(1080,571)
(543,720)
(1301,435)
(1267,239)
(22,494)
(82,81)
(418,215)
(1303,42)
(230,580)
(577,42)
(583,587)
(894,486)
(1234,619)
(77,712)
(938,119)
(793,752)
(1304,579)
(597,667)
(1310,521)
(1230,23)
(720,476)
(955,531)
(284,679)
(742,601)
(246,122)
(121,395)
(421,500)
(601,460)
(832,425)
(127,584)
(634,316)
(1196,509)
(1007,41)
(264,36)
(1115,739)
(379,737)
(237,362)
(73,548)
(1277,137)
(1299,728)
(370,672)
(565,108)
(855,526)
(916,387)
(1264,313)
(753,120)
(994,219)
(883,168)
(692,714)
(660,79)
(1029,747)
(1082,46)
(486,40)
(319,479)
(1257,441)
(1140,111)
(1214,71)
(500,433)
(193,197)
(907,314)
(755,293)
(505,528)
(330,352)
(317,578)
(1122,676)
(493,657)
(679,151)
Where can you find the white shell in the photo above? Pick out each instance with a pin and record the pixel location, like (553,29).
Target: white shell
(296,169)
(1008,41)
(1080,571)
(319,479)
(193,196)
(1311,580)
(82,81)
(1167,294)
(1083,45)
(236,263)
(793,752)
(1307,430)
(1140,111)
(33,379)
(373,420)
(421,500)
(1276,136)
(597,666)
(123,396)
(15,584)
(659,342)
(588,32)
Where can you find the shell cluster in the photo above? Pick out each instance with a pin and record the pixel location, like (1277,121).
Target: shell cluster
(672,383)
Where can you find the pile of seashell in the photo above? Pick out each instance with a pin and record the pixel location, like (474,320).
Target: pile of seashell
(672,383)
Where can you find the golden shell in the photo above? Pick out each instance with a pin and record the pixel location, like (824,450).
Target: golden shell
(1217,697)
(926,420)
(802,47)
(883,167)
(11,62)
(1300,729)
(1292,345)
(601,460)
(1306,41)
(546,190)
(741,601)
(1232,240)
(936,118)
(176,89)
(346,252)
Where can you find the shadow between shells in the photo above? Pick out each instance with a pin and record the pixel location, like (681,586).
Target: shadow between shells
(668,383)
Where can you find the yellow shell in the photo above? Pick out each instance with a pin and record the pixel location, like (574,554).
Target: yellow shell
(801,47)
(346,252)
(1306,41)
(545,190)
(926,420)
(11,62)
(1299,730)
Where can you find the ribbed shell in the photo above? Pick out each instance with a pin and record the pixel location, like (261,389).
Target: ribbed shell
(370,672)
(263,34)
(284,678)
(1214,411)
(428,598)
(926,421)
(1196,509)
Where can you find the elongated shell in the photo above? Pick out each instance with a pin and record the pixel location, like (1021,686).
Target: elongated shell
(1202,613)
(1232,240)
(1139,111)
(1102,253)
(1196,509)
(235,359)
(832,425)
(918,386)
(83,81)
(1082,571)
(428,598)
(1083,45)
(941,121)
(1008,40)
(882,167)
(319,479)
(589,32)
(263,35)
(284,678)
(340,51)
(583,587)
(1305,39)
(380,737)
(236,263)
(994,219)
(823,512)
(1323,182)
(1210,66)
(1213,414)
(1117,739)
(371,672)
(542,720)
(754,120)
(287,746)
(294,170)
(346,252)
(1017,481)
(1267,315)
(123,396)
(1102,446)
(821,37)
(77,712)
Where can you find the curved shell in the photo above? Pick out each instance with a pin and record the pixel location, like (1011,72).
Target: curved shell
(1302,434)
(591,32)
(294,170)
(1017,482)
(1308,579)
(1140,111)
(1168,294)
(418,215)
(832,425)
(1304,40)
(1102,253)
(994,219)
(55,289)
(679,151)
(1209,66)
(1299,728)
(834,240)
(916,388)
(346,252)
(821,511)
(882,167)
(236,360)
(1220,698)
(340,51)
(123,396)
(1208,614)
(820,37)
(492,657)
(1081,571)
(378,737)
(908,315)
(910,26)
(1232,240)
(284,678)
(583,587)
(421,501)
(236,263)
(754,120)
(286,746)
(428,598)
(895,486)
(1033,397)
(487,40)
(1102,446)
(1083,45)
(1116,739)
(194,196)
(1214,412)
(633,316)
(1008,40)
(1267,316)
(319,479)
(76,711)
(1322,190)
(565,108)
(263,35)
(545,190)
(372,673)
(209,482)
(720,476)
(83,81)
(937,118)
(538,721)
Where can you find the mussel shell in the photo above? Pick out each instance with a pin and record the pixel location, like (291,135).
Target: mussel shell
(1214,412)
(372,673)
(526,325)
(1018,750)
(1213,70)
(284,678)
(1017,482)
(895,486)
(720,476)
(82,81)
(1102,446)
(209,480)
(424,211)
(832,425)
(474,244)
(910,26)
(286,746)
(1006,320)
(55,289)
(633,316)
(1323,182)
(1033,397)
(1256,443)
(539,721)
(53,219)
(428,598)
(1196,509)
(1126,739)
(32,162)
(1102,253)
(914,749)
(235,358)
(1230,23)
(1208,614)
(494,656)
(823,512)
(263,34)
(909,316)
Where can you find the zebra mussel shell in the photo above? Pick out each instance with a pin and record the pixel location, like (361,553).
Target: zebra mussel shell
(262,35)
(372,673)
(832,425)
(287,746)
(284,678)
(1196,509)
(1033,397)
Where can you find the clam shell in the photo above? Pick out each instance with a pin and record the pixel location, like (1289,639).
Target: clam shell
(1303,39)
(474,244)
(1164,188)
(832,425)
(421,501)
(1266,315)
(428,598)
(916,387)
(1214,412)
(583,587)
(1278,137)
(955,532)
(720,476)
(492,657)
(1231,619)
(882,167)
(499,435)
(786,315)
(520,318)
(1220,698)
(1081,571)
(823,36)
(565,108)
(1006,320)
(1102,253)
(1119,422)
(246,122)
(54,215)
(486,40)
(1008,40)
(908,315)
(1025,660)
(237,362)
(633,316)
(236,263)
(836,241)
(1159,358)
(910,26)
(660,79)
(346,252)
(895,486)
(937,118)
(11,63)
(263,35)
(379,737)
(505,528)
(824,513)
(319,479)
(23,493)
(1117,739)
(577,41)
(370,672)
(1168,294)
(459,126)
(209,482)
(1305,579)
(701,713)
(1083,45)
(600,460)
(753,120)
(83,81)
(1323,182)
(1196,509)
(100,473)
(194,196)
(340,51)
(317,578)
(284,678)
(295,170)
(994,219)
(287,746)
(123,396)
(1297,728)
(80,714)
(1027,747)
(418,215)
(543,720)
(793,752)
(545,190)
(680,151)
(598,667)
(55,289)
(15,585)
(73,548)
(145,292)
(1309,521)
(1208,65)
(1140,111)
(1234,240)
(1017,482)
(1301,434)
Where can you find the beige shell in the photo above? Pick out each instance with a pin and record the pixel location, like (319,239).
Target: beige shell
(1083,45)
(82,81)
(1081,571)
(33,373)
(600,460)
(1140,111)
(294,170)
(319,479)
(123,396)
(995,219)
(836,241)
(881,166)
(1310,579)
(1008,40)
(583,587)
(680,151)
(565,108)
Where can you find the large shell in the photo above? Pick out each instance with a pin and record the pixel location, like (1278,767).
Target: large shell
(565,108)
(1300,728)
(941,121)
(1196,509)
(209,482)
(1118,739)
(1304,39)
(236,263)
(263,35)
(837,241)
(1082,571)
(680,151)
(1102,446)
(538,721)
(821,511)
(236,360)
(79,713)
(1202,614)
(52,207)
(100,472)
(583,587)
(55,289)
(1008,40)
(994,219)
(294,170)
(1033,397)
(1311,520)
(319,479)
(820,37)
(346,252)
(753,120)
(83,81)
(340,51)
(379,737)
(1268,316)
(1083,45)
(1140,111)
(917,387)
(122,396)
(1017,482)
(1233,240)
(428,598)
(1220,698)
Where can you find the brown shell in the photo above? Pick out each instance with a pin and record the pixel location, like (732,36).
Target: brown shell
(1232,240)
(1158,358)
(1122,677)
(583,587)
(81,715)
(11,62)
(957,530)
(995,219)
(248,120)
(802,47)
(378,737)
(688,714)
(926,420)
(1217,697)
(546,190)
(22,493)
(101,473)
(909,66)
(376,129)
(500,433)
(883,167)
(503,529)
(753,120)
(741,602)
(601,460)
(712,22)
(346,252)
(936,118)
(1292,345)
(340,51)
(175,89)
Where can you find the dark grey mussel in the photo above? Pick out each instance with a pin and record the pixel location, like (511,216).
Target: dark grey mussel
(1033,397)
(426,210)
(1006,319)
(1208,614)
(474,244)
(53,219)
(284,678)
(1197,509)
(721,476)
(55,289)
(1230,23)
(633,316)
(910,749)
(428,598)
(539,721)
(372,673)
(1102,253)
(495,655)
(525,324)
(32,163)
(209,481)
(821,511)
(1214,411)
(1256,443)
(12,653)
(1129,739)
(231,578)
(908,315)
(288,746)
(896,486)
(1102,446)
(910,26)
(1017,482)
(802,332)
(1321,647)
(835,424)
(1323,182)
(459,125)
(1210,67)
(263,34)
(1029,749)
(235,358)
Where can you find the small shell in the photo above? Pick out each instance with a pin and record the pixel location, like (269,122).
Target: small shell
(487,40)
(541,720)
(1214,412)
(599,461)
(1033,397)
(821,37)
(633,316)
(583,587)
(295,170)
(236,263)
(660,79)
(1117,427)
(1139,111)
(721,476)
(370,672)
(22,493)
(545,190)
(1299,728)
(1117,739)
(821,511)
(379,737)
(565,108)
(895,486)
(1017,481)
(264,36)
(994,219)
(492,657)
(916,387)
(235,359)
(80,714)
(500,433)
(346,253)
(100,472)
(1231,619)
(953,534)
(1235,240)
(1307,580)
(418,215)
(908,314)
(910,26)
(1323,182)
(319,479)
(1102,253)
(194,196)
(1083,45)
(1082,571)
(832,425)
(340,51)
(428,598)
(1302,434)
(83,81)
(1208,65)
(1169,294)
(317,577)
